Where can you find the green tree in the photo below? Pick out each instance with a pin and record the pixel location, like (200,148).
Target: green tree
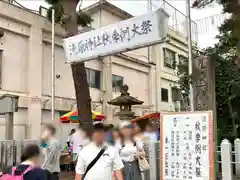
(229,31)
(66,14)
(226,54)
(227,93)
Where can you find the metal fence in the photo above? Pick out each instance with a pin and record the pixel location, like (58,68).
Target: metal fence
(177,19)
(227,153)
(10,152)
(229,158)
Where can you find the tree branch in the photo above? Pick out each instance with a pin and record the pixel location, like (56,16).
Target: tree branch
(201,3)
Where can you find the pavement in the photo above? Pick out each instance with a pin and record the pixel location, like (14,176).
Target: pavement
(67,175)
(71,176)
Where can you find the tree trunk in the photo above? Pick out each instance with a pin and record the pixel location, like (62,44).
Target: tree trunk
(82,96)
(78,70)
(234,127)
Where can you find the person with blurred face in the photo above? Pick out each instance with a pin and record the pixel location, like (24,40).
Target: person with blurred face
(116,136)
(52,153)
(116,141)
(69,138)
(79,140)
(150,133)
(29,168)
(129,150)
(138,134)
(109,135)
(137,129)
(105,157)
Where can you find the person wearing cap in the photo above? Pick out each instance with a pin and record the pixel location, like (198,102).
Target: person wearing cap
(98,160)
(130,150)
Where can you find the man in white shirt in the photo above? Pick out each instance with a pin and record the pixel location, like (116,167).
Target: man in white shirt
(108,162)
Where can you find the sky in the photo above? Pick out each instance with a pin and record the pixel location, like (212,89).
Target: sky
(207,19)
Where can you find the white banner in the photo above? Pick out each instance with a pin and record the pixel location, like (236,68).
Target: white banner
(187,146)
(126,35)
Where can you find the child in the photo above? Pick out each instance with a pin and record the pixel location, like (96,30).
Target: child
(29,169)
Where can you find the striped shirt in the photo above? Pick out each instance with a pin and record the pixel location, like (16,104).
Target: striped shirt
(52,156)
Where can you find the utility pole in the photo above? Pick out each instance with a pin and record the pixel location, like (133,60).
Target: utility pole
(53,67)
(190,60)
(152,82)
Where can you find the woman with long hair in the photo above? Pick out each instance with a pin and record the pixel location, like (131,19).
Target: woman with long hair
(138,133)
(130,150)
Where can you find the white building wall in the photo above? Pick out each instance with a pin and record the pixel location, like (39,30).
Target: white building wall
(26,71)
(168,106)
(20,125)
(135,79)
(15,61)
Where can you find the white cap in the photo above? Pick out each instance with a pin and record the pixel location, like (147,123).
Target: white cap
(125,124)
(97,122)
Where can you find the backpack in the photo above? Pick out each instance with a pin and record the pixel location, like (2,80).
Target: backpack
(14,177)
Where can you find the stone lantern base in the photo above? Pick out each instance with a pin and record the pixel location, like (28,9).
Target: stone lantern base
(126,115)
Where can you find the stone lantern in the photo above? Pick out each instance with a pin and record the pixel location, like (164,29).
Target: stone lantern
(125,102)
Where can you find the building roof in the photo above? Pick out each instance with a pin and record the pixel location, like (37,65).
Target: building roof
(155,115)
(108,7)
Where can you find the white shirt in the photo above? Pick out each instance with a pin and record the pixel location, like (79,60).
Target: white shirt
(69,138)
(117,142)
(79,141)
(110,161)
(152,136)
(128,151)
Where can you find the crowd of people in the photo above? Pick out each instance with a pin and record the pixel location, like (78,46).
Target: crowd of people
(109,154)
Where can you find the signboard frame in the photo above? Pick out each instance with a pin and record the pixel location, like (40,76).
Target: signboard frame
(210,142)
(136,32)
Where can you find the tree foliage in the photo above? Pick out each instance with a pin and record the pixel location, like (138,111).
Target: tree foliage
(226,55)
(202,3)
(84,19)
(227,92)
(66,15)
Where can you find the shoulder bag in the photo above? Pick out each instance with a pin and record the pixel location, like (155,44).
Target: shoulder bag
(143,163)
(93,162)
